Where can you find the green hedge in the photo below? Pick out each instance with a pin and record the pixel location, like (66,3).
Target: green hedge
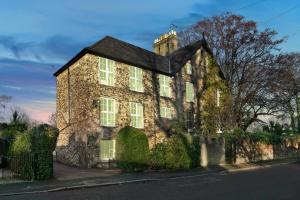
(177,152)
(132,149)
(43,144)
(158,156)
(20,156)
(177,156)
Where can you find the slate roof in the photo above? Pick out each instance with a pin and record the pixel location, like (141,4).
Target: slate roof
(124,52)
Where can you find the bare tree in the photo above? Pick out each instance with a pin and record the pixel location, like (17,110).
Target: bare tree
(52,119)
(19,116)
(286,87)
(246,56)
(3,104)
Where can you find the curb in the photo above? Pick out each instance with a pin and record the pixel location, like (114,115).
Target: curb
(80,187)
(83,186)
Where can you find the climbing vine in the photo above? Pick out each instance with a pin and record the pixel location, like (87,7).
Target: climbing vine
(216,113)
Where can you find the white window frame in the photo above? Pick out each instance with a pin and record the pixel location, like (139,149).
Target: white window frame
(166,112)
(107,67)
(164,85)
(113,151)
(189,68)
(190,95)
(108,112)
(218,97)
(136,115)
(136,81)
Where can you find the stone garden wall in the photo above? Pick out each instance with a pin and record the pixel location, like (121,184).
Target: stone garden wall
(248,151)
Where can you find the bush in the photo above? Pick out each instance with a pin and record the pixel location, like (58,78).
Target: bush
(177,156)
(43,144)
(21,159)
(261,136)
(18,126)
(44,137)
(22,144)
(194,151)
(9,134)
(158,156)
(132,149)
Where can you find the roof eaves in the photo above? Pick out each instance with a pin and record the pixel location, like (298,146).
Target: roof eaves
(72,61)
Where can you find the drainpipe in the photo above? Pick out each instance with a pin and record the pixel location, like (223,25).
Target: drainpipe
(69,96)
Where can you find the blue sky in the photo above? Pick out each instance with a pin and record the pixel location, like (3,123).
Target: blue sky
(37,37)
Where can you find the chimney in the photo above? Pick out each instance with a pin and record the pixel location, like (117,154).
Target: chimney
(166,43)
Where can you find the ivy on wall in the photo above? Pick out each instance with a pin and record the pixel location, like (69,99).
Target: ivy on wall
(215,116)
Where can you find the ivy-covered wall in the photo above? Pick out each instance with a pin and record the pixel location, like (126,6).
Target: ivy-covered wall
(215,114)
(79,121)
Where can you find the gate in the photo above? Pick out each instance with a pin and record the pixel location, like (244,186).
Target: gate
(17,167)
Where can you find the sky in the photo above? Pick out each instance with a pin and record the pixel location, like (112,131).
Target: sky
(38,37)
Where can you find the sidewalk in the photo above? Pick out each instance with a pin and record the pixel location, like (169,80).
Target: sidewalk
(126,178)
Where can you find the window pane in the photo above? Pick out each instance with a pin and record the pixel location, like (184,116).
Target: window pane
(106,68)
(103,118)
(107,148)
(189,92)
(136,79)
(188,68)
(107,112)
(136,115)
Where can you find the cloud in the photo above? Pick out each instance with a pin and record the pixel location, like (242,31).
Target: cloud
(12,87)
(57,48)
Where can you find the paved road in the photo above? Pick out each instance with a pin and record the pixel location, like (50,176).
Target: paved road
(280,182)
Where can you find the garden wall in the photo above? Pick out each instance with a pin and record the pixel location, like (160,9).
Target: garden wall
(249,151)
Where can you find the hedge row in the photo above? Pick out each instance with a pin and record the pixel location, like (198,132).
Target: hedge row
(259,136)
(177,152)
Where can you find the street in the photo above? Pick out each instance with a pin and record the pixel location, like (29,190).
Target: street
(278,182)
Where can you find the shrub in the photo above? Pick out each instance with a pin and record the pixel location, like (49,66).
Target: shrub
(44,137)
(43,144)
(261,136)
(132,149)
(192,145)
(194,151)
(177,156)
(21,160)
(158,156)
(22,144)
(18,126)
(9,134)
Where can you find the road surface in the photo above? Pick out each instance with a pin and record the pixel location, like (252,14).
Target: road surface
(278,182)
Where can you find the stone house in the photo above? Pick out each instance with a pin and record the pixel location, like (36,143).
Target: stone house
(111,84)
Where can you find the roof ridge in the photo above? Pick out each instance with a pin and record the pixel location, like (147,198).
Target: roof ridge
(121,41)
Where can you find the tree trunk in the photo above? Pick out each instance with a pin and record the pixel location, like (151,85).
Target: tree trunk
(292,117)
